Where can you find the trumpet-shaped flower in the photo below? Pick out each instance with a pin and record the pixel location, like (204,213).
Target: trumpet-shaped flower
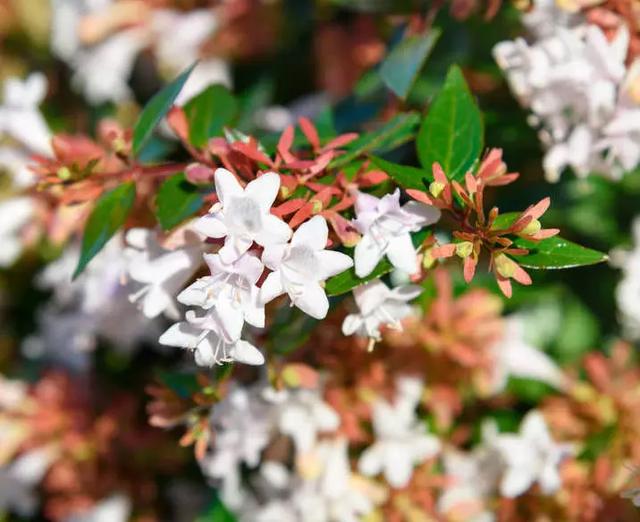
(301,266)
(161,273)
(379,306)
(204,336)
(243,216)
(530,456)
(401,442)
(386,230)
(231,291)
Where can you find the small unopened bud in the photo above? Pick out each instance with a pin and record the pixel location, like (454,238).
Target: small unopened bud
(532,228)
(436,188)
(119,145)
(317,206)
(64,173)
(505,266)
(464,249)
(427,259)
(284,192)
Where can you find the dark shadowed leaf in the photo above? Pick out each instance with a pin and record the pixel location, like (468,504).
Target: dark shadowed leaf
(156,109)
(107,217)
(401,67)
(177,200)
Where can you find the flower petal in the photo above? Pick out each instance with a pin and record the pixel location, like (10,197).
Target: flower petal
(312,301)
(274,231)
(181,334)
(313,234)
(227,186)
(264,190)
(332,263)
(244,352)
(402,253)
(211,225)
(367,255)
(271,288)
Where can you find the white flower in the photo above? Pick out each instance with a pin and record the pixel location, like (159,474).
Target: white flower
(575,82)
(530,456)
(20,117)
(15,213)
(302,415)
(230,292)
(161,273)
(379,306)
(205,337)
(628,290)
(301,266)
(242,424)
(514,356)
(115,508)
(401,442)
(242,215)
(19,479)
(386,230)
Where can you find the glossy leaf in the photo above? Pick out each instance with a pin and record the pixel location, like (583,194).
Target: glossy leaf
(156,109)
(401,67)
(556,253)
(392,134)
(177,200)
(405,176)
(452,131)
(348,280)
(209,112)
(107,217)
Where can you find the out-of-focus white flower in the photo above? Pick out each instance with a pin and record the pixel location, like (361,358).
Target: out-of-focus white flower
(243,216)
(386,230)
(302,415)
(474,478)
(20,117)
(576,83)
(115,508)
(19,479)
(204,335)
(301,266)
(530,456)
(161,273)
(15,213)
(230,293)
(514,356)
(102,71)
(628,290)
(242,423)
(401,442)
(379,306)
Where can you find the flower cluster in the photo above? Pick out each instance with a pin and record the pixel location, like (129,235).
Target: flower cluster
(582,94)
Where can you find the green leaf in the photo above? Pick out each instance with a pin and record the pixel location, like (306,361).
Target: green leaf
(452,131)
(348,280)
(216,511)
(402,65)
(209,112)
(177,200)
(156,109)
(556,253)
(392,134)
(107,217)
(405,176)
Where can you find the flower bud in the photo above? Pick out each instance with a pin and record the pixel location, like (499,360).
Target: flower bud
(427,259)
(505,266)
(64,173)
(532,228)
(464,249)
(436,188)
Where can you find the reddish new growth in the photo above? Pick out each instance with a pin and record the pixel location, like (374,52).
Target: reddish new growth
(476,231)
